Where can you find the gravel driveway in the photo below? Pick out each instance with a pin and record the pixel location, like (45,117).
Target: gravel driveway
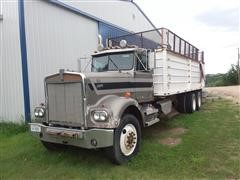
(230,92)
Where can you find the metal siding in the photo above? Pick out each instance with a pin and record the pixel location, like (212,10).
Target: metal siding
(108,31)
(124,14)
(174,74)
(11,88)
(56,39)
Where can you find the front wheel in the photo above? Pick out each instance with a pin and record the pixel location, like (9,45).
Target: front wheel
(127,139)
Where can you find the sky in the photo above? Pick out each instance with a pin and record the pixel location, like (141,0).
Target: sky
(210,25)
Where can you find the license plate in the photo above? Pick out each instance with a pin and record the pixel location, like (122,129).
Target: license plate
(35,128)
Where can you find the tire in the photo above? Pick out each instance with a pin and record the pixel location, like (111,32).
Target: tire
(191,102)
(122,151)
(199,100)
(53,146)
(181,103)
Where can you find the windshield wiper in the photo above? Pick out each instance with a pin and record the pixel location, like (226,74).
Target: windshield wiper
(114,64)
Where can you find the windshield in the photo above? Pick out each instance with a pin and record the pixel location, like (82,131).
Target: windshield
(112,62)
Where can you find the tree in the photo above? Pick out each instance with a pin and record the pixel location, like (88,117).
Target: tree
(232,76)
(228,79)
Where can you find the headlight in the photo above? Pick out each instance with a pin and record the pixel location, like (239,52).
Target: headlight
(39,112)
(96,116)
(100,115)
(103,116)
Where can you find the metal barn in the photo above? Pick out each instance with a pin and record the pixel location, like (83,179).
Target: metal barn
(39,37)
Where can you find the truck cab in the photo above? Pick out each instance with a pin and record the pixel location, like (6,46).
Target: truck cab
(130,66)
(126,59)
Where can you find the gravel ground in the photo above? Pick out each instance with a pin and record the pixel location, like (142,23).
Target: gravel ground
(229,92)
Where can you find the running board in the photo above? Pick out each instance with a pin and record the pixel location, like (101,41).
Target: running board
(149,123)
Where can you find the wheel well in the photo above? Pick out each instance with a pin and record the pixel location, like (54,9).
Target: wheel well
(134,111)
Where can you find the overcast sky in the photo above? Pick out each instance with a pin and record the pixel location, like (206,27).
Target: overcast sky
(210,25)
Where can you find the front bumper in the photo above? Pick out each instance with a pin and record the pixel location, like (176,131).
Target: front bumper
(92,138)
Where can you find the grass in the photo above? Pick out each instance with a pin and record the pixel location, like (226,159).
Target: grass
(210,149)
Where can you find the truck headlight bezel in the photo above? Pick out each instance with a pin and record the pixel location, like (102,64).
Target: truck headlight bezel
(100,115)
(39,112)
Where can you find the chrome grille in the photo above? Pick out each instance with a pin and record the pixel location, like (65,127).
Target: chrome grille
(65,104)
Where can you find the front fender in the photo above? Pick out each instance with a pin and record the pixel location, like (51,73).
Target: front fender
(116,106)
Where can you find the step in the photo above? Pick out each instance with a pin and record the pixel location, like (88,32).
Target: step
(149,123)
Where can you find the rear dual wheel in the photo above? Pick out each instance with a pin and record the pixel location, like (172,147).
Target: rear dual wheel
(189,102)
(199,100)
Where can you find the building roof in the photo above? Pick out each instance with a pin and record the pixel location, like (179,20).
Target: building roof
(92,17)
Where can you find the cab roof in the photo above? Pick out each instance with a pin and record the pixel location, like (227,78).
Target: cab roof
(109,51)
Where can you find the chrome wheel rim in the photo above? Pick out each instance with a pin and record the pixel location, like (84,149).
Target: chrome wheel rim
(128,139)
(194,102)
(199,100)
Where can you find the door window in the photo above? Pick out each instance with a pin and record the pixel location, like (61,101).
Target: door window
(142,64)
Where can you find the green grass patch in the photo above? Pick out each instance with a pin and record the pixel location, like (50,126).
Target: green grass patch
(11,129)
(209,149)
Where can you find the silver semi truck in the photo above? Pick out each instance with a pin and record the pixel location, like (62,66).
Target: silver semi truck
(132,82)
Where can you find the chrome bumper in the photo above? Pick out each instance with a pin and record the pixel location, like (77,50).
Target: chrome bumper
(92,138)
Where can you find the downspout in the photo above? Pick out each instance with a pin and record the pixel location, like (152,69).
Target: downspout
(23,47)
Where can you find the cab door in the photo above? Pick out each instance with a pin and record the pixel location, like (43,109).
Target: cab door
(143,78)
